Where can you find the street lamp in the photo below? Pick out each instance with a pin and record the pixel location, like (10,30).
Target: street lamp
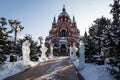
(15,24)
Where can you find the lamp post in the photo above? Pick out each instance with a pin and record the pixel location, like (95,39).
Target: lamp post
(15,24)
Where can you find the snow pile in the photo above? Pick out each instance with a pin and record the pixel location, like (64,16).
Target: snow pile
(10,68)
(34,63)
(94,72)
(43,59)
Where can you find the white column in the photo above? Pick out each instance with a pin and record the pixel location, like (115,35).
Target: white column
(70,51)
(51,49)
(82,56)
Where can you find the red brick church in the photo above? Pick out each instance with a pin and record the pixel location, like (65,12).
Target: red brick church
(63,34)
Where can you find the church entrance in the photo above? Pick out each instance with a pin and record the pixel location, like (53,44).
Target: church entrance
(63,50)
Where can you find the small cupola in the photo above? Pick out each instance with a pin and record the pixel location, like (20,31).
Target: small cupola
(54,20)
(74,19)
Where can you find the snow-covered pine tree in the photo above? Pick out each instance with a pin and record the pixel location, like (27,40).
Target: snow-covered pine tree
(106,39)
(86,40)
(95,42)
(114,37)
(85,37)
(5,42)
(89,45)
(115,11)
(33,48)
(100,26)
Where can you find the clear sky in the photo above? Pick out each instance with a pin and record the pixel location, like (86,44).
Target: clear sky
(37,15)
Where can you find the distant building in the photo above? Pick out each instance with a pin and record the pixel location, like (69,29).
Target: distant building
(63,34)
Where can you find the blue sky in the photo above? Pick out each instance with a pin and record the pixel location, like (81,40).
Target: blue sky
(37,15)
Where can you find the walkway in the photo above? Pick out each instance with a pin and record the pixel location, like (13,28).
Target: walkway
(58,68)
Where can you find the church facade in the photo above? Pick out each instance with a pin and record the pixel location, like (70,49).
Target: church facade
(63,34)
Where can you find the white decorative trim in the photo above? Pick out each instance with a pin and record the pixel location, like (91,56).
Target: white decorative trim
(63,29)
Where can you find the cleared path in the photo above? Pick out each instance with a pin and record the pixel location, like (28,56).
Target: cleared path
(58,68)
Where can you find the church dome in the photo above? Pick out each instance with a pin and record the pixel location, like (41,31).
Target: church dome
(64,17)
(63,10)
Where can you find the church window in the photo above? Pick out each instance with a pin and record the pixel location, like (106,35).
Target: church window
(63,33)
(63,19)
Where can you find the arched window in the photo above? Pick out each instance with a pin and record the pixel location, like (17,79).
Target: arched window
(63,33)
(63,19)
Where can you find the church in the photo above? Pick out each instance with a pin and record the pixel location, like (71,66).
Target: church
(63,34)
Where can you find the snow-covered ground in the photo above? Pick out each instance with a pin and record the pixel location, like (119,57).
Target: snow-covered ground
(94,72)
(11,68)
(90,71)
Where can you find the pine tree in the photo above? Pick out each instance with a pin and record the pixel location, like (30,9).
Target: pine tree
(115,33)
(114,39)
(95,41)
(4,39)
(106,38)
(33,48)
(85,37)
